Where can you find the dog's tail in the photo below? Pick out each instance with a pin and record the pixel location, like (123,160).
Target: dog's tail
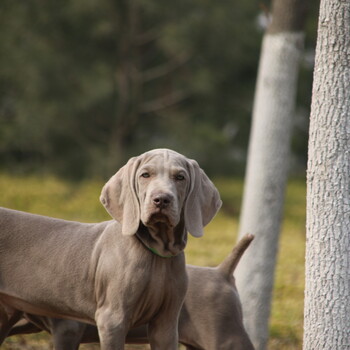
(228,266)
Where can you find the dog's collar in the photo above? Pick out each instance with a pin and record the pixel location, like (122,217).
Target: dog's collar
(153,250)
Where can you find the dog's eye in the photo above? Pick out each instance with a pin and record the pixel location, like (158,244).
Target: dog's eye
(145,175)
(179,177)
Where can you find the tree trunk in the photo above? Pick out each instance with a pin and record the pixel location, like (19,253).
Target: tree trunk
(128,83)
(327,296)
(268,161)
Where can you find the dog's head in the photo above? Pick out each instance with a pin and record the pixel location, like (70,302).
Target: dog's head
(164,192)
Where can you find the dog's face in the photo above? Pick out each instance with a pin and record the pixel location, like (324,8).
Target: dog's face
(163,183)
(165,192)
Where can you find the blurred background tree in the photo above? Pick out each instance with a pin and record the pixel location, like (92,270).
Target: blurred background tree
(86,84)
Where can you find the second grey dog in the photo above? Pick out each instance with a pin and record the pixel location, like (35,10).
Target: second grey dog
(210,318)
(111,273)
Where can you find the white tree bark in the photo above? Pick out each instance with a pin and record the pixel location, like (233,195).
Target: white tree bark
(327,295)
(266,175)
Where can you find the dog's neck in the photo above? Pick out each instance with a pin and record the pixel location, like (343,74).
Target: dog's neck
(163,240)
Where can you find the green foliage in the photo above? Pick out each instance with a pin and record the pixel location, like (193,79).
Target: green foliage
(86,84)
(79,201)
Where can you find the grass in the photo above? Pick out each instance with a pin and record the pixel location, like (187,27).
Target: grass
(79,201)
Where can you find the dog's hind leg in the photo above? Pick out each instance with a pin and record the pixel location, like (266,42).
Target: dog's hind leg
(8,317)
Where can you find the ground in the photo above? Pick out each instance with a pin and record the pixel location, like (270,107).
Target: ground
(79,201)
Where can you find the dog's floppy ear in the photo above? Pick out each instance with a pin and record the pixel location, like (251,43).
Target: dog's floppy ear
(203,200)
(119,197)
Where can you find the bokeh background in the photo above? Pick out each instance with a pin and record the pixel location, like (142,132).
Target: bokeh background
(85,84)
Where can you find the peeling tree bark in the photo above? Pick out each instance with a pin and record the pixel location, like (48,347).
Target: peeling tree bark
(327,295)
(268,161)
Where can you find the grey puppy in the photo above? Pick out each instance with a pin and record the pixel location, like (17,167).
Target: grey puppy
(117,274)
(210,318)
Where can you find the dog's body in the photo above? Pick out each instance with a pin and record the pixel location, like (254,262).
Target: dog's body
(94,250)
(73,293)
(117,274)
(210,318)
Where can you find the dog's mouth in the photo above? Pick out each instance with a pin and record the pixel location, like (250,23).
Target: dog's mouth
(158,217)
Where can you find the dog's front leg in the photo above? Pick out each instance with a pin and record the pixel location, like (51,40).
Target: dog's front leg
(112,329)
(163,333)
(66,334)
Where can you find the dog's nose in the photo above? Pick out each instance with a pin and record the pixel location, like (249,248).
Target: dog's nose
(162,200)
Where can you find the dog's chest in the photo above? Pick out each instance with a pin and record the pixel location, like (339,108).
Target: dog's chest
(164,287)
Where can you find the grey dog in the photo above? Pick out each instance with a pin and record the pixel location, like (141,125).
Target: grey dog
(210,318)
(117,274)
